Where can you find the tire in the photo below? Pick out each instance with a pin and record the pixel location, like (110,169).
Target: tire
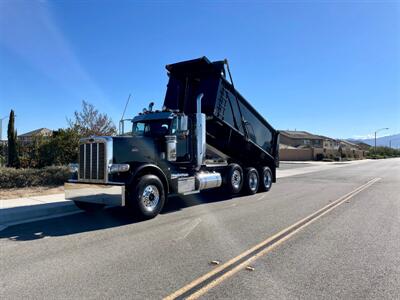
(266,179)
(89,207)
(234,179)
(251,181)
(147,197)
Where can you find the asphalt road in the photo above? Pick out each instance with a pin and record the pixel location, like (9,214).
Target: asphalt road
(349,252)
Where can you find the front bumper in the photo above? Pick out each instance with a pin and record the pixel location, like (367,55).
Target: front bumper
(108,194)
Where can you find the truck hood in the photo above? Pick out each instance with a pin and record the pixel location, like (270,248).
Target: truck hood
(127,149)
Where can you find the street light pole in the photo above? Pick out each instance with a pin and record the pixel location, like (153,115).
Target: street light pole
(375,137)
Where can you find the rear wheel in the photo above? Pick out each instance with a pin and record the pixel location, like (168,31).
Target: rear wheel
(266,179)
(89,207)
(234,179)
(148,196)
(252,181)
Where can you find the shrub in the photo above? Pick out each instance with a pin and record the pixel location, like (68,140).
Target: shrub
(59,149)
(2,160)
(17,178)
(383,152)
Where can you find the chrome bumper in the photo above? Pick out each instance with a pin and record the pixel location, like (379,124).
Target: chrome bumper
(108,194)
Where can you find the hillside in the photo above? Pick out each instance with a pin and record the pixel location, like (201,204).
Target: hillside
(393,140)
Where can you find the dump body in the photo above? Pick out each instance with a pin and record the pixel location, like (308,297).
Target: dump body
(233,126)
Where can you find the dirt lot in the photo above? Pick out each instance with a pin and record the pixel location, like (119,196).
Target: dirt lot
(30,191)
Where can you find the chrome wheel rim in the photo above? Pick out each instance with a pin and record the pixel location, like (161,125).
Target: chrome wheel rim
(236,179)
(253,181)
(267,180)
(150,197)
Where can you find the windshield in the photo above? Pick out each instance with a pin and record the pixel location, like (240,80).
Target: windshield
(151,128)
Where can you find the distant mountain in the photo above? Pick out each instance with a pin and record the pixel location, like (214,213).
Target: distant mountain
(393,140)
(363,146)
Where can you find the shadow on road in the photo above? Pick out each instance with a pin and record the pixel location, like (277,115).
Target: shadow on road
(108,218)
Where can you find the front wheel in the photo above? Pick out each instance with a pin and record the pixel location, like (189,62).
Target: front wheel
(148,196)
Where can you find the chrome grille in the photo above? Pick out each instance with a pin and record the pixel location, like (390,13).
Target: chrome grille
(92,164)
(102,159)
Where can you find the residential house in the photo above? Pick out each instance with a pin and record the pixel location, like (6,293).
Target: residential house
(302,145)
(348,146)
(363,146)
(28,137)
(330,143)
(349,149)
(300,139)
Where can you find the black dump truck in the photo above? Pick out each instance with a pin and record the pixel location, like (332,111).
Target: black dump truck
(206,136)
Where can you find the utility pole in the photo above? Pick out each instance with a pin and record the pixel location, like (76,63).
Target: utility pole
(375,137)
(1,127)
(1,135)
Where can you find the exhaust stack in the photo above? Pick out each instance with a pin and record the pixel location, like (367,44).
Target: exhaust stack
(200,133)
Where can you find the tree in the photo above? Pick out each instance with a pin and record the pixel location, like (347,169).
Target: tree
(61,149)
(383,152)
(29,153)
(90,121)
(3,150)
(13,160)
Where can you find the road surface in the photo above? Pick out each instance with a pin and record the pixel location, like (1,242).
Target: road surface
(349,249)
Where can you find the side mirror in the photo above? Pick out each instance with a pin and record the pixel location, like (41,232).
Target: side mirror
(182,123)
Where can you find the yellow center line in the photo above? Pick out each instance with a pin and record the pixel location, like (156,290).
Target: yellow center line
(312,218)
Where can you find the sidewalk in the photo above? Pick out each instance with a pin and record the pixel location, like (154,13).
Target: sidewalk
(19,210)
(315,166)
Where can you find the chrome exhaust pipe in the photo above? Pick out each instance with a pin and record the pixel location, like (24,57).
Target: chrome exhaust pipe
(200,133)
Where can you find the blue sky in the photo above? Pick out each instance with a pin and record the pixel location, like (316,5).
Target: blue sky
(332,68)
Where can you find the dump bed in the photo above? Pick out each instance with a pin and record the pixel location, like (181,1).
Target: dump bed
(233,126)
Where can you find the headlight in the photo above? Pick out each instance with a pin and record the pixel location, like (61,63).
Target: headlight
(73,168)
(118,168)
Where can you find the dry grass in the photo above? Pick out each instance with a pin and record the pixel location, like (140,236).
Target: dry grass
(30,191)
